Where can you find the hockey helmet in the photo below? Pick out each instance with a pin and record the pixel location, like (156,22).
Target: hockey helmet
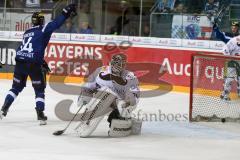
(235,23)
(38,19)
(118,63)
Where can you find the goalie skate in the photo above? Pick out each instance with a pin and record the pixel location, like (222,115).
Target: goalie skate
(95,111)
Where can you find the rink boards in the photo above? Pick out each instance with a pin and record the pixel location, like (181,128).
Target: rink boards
(157,62)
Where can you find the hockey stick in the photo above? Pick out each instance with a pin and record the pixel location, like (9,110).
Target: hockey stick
(60,132)
(220,14)
(82,118)
(222,11)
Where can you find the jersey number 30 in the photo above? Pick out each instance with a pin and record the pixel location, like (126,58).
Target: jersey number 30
(27,46)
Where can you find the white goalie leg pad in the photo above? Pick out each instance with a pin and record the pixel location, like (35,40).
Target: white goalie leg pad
(85,129)
(123,128)
(136,126)
(120,128)
(95,111)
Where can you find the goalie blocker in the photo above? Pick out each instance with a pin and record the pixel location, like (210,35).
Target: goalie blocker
(102,103)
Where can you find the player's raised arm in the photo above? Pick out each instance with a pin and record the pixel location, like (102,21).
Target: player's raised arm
(69,11)
(220,35)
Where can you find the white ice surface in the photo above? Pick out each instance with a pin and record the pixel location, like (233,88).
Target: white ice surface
(22,138)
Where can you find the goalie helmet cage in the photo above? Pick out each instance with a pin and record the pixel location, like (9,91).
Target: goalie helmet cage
(206,85)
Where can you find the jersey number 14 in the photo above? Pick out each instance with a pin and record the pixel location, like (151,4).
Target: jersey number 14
(27,45)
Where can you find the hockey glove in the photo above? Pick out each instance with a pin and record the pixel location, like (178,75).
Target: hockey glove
(45,67)
(69,11)
(215,26)
(125,109)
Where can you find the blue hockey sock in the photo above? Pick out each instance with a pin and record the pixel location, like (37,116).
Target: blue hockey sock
(12,94)
(40,101)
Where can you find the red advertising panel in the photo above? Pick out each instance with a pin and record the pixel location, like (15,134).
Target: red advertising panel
(168,65)
(209,71)
(151,65)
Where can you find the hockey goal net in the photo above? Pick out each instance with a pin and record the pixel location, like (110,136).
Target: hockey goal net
(207,79)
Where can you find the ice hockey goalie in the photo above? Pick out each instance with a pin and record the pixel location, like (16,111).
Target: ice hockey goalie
(113,91)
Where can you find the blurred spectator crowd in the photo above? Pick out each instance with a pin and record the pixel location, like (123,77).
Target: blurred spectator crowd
(121,17)
(45,4)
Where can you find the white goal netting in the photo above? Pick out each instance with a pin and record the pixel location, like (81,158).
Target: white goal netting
(207,79)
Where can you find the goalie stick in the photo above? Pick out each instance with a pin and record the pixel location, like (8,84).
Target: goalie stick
(60,132)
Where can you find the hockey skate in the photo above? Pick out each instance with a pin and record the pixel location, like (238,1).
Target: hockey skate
(225,95)
(3,111)
(2,114)
(41,117)
(225,98)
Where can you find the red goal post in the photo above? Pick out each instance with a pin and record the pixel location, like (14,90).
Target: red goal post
(206,84)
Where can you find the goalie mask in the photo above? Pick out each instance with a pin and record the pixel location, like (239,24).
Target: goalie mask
(118,63)
(38,19)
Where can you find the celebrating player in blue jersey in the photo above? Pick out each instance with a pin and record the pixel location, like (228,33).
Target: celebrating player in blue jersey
(30,60)
(225,37)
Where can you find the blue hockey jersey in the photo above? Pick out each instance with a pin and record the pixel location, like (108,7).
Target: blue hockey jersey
(221,35)
(35,41)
